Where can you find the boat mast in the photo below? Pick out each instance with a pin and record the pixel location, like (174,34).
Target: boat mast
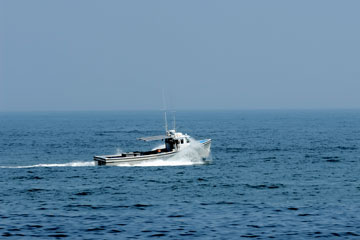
(165,116)
(166,125)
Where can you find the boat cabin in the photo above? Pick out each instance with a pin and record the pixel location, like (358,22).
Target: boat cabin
(176,143)
(173,140)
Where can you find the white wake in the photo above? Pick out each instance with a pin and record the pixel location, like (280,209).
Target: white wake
(70,164)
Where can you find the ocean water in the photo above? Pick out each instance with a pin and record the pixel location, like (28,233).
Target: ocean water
(271,174)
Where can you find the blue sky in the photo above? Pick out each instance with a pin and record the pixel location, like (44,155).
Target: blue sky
(119,55)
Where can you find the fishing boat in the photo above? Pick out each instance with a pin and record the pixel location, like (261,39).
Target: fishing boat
(175,142)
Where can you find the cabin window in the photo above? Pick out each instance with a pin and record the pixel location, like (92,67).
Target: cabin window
(187,140)
(182,141)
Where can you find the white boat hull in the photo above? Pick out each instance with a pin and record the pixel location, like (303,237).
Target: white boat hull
(119,159)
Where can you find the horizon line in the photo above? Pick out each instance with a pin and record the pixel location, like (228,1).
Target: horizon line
(180,110)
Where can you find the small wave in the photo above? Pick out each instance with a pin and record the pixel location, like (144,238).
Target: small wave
(265,186)
(70,164)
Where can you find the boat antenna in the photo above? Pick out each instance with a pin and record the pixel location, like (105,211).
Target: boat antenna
(164,108)
(174,120)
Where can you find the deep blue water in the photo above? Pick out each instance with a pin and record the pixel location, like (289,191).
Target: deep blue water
(274,174)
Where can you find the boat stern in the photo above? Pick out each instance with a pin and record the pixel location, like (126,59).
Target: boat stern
(99,160)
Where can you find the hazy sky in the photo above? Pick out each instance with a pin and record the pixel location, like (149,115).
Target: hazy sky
(114,55)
